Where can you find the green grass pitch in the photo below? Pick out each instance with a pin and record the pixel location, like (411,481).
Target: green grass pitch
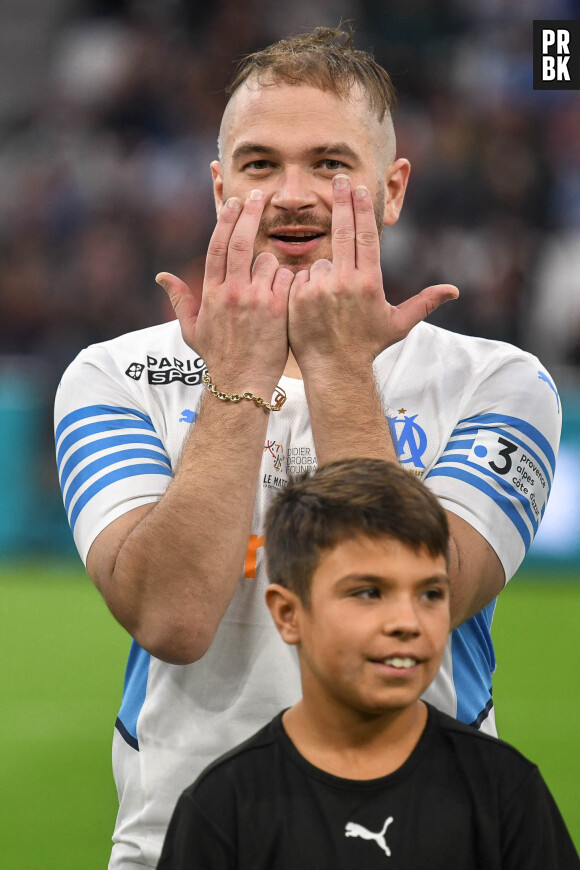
(63,660)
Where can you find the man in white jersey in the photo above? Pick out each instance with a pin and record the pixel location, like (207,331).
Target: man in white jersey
(166,477)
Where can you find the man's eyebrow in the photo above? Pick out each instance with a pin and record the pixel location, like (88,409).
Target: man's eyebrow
(335,148)
(245,149)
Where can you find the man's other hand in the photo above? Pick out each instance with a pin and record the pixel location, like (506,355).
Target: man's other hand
(337,310)
(239,325)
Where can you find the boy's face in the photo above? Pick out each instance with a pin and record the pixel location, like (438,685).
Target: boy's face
(373,636)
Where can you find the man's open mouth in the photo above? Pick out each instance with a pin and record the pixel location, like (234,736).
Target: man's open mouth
(296,238)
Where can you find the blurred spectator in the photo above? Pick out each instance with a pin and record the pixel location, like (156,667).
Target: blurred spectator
(555,318)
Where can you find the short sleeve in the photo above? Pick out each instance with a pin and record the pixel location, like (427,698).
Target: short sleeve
(110,458)
(497,468)
(533,832)
(194,840)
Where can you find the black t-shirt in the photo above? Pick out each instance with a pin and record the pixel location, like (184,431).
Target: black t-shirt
(461,801)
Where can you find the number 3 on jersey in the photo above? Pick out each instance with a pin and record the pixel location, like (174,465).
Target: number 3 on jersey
(494,451)
(505,454)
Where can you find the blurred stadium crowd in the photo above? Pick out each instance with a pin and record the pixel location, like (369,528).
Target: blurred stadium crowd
(105,180)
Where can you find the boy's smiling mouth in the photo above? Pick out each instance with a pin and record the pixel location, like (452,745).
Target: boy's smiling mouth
(401,661)
(398,661)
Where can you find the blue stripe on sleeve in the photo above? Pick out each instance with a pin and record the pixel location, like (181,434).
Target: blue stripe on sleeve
(113,477)
(96,411)
(522,426)
(473,664)
(501,500)
(460,445)
(110,459)
(95,428)
(103,444)
(134,691)
(513,438)
(505,485)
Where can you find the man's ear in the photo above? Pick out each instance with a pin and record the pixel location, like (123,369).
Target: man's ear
(396,178)
(218,185)
(285,607)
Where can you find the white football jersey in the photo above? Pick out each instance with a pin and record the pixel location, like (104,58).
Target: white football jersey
(478,420)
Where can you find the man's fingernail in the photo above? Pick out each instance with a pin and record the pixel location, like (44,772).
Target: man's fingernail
(360,191)
(161,281)
(234,202)
(341,180)
(256,194)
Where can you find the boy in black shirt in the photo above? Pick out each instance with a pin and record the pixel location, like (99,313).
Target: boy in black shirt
(361,772)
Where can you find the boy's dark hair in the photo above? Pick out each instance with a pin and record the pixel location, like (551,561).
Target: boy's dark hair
(344,500)
(324,58)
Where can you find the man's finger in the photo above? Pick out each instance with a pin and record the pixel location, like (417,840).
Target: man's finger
(281,286)
(321,266)
(301,278)
(217,252)
(411,312)
(264,267)
(343,229)
(367,243)
(185,302)
(241,244)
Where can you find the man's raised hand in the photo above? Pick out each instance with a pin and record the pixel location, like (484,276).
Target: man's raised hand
(338,310)
(239,324)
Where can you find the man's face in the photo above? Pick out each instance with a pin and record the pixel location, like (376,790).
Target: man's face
(373,636)
(290,141)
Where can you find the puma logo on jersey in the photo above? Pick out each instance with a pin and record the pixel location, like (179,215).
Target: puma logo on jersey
(543,377)
(355,830)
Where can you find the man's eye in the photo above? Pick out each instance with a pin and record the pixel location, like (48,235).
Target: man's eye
(332,165)
(257,165)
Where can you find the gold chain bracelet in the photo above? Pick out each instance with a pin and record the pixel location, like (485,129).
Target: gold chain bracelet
(278,400)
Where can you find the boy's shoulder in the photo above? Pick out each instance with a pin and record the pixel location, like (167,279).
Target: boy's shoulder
(252,754)
(472,743)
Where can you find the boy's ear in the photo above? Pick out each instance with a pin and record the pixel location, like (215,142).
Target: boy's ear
(284,606)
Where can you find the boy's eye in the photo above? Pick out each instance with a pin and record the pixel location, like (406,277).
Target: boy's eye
(434,594)
(367,593)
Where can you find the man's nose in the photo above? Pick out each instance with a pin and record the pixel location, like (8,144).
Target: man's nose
(295,190)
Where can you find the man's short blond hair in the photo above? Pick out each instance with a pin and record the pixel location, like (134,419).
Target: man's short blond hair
(324,58)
